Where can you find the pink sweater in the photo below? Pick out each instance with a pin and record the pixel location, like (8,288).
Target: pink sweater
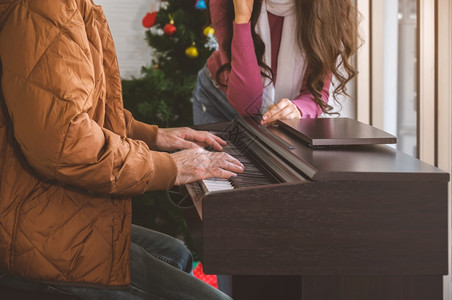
(244,81)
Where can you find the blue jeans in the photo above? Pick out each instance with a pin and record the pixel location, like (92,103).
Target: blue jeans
(210,104)
(159,265)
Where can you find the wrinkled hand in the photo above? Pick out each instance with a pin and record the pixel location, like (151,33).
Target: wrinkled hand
(198,163)
(284,109)
(243,10)
(170,139)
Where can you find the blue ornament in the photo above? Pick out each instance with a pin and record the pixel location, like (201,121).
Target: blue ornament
(200,4)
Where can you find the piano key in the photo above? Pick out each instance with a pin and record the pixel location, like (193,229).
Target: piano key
(217,184)
(252,176)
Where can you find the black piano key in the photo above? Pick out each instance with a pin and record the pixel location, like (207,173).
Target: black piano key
(253,174)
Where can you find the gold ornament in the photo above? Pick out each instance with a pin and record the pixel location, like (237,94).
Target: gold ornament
(208,31)
(192,52)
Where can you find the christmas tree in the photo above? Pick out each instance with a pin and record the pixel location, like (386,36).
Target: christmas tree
(181,42)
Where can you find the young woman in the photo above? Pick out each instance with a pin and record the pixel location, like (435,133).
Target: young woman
(276,58)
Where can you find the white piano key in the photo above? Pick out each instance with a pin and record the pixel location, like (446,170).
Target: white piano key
(217,184)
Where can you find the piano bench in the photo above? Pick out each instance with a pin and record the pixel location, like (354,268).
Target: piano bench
(14,293)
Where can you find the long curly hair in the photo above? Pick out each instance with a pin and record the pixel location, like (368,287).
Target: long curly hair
(327,33)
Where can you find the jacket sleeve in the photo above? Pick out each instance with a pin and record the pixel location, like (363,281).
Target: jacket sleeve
(49,86)
(141,131)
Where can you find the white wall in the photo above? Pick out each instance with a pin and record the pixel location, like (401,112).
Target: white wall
(124,18)
(347,104)
(390,69)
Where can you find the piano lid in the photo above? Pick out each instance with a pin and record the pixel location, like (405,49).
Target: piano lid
(371,162)
(336,132)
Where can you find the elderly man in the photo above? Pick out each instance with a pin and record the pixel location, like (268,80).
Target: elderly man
(71,156)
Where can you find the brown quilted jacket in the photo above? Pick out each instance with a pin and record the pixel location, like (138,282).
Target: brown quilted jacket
(70,155)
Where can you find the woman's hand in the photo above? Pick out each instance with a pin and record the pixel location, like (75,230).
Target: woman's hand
(243,10)
(170,139)
(284,109)
(198,163)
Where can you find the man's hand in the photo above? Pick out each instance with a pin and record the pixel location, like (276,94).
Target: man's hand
(170,139)
(198,163)
(284,109)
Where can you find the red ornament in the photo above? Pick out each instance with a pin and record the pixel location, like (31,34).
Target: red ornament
(169,29)
(198,272)
(149,19)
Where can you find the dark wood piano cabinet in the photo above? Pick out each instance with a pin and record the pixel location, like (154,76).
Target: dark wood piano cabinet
(368,222)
